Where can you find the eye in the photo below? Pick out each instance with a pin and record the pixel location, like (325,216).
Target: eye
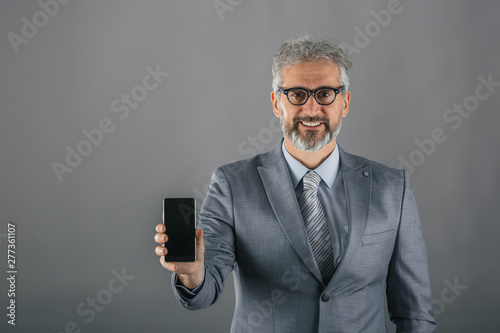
(324,93)
(297,93)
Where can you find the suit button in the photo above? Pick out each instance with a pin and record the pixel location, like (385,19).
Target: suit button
(325,297)
(366,173)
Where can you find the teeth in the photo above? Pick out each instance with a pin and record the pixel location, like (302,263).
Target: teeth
(310,124)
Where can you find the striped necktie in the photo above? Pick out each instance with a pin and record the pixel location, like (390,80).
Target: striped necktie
(317,230)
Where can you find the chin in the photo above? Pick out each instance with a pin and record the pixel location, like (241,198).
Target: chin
(306,145)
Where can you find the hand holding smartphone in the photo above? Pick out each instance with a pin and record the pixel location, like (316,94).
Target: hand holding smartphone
(180,246)
(179,218)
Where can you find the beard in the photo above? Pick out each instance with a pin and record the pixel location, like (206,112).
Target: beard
(310,140)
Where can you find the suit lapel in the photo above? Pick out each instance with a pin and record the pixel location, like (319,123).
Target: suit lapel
(278,186)
(357,183)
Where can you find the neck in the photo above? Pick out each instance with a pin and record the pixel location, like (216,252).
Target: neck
(310,159)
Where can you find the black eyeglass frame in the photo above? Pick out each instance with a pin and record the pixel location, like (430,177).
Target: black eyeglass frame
(335,90)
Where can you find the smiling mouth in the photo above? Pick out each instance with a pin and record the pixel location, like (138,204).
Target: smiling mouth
(310,124)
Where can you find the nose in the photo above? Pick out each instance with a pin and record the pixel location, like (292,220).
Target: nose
(311,107)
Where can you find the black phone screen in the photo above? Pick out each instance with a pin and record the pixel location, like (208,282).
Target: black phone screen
(179,219)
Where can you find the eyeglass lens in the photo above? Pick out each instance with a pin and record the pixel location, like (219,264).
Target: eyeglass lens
(299,96)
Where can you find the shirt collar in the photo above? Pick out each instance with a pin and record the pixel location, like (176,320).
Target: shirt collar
(327,170)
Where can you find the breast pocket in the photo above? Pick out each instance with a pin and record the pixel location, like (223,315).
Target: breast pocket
(378,237)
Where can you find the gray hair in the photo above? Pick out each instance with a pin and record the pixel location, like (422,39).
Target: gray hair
(306,48)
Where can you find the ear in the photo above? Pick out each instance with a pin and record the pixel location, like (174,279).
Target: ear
(345,106)
(275,101)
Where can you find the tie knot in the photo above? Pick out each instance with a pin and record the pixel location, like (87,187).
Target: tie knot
(311,181)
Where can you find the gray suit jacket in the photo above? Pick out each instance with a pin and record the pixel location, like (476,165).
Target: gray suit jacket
(253,226)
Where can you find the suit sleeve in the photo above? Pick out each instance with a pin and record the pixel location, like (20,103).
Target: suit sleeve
(216,221)
(409,295)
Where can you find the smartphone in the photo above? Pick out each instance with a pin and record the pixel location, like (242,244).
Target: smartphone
(179,218)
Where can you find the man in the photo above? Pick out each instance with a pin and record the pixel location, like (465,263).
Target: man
(315,237)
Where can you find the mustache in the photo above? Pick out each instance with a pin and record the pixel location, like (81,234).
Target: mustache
(298,119)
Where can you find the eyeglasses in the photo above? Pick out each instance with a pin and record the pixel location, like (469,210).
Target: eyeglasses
(299,96)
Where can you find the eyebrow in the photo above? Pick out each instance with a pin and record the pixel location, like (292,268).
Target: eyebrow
(321,87)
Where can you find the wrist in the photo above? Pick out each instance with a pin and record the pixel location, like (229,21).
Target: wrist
(193,280)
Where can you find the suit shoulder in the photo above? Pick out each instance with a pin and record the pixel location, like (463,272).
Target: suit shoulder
(380,170)
(244,166)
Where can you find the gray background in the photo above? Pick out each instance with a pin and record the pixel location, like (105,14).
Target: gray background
(101,217)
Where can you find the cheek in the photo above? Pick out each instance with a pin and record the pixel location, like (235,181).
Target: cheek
(331,113)
(287,114)
(336,113)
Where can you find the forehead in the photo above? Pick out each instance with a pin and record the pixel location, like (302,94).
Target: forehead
(310,75)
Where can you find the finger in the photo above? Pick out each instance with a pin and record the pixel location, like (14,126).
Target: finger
(163,263)
(168,265)
(161,238)
(160,227)
(200,246)
(161,250)
(171,267)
